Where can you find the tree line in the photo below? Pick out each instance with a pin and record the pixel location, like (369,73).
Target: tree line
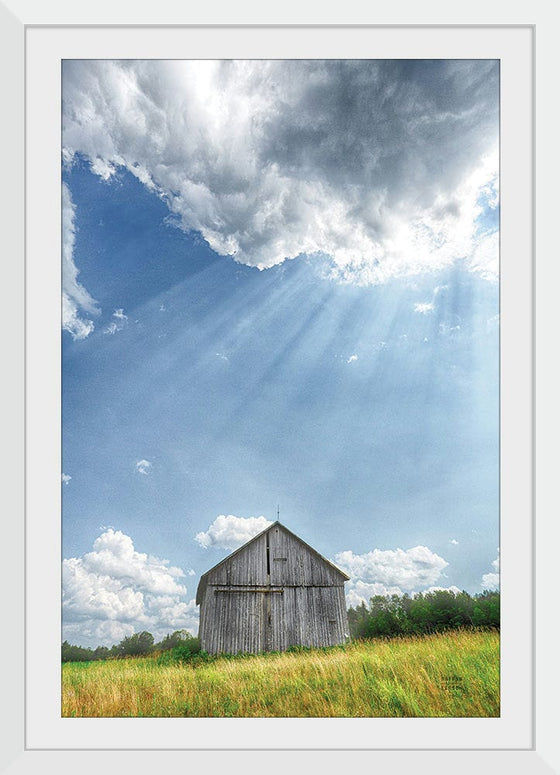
(138,644)
(424,613)
(385,616)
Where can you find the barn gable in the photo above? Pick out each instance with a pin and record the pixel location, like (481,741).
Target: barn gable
(251,568)
(272,592)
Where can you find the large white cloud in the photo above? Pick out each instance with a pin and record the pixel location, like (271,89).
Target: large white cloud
(387,572)
(358,591)
(114,591)
(229,532)
(382,165)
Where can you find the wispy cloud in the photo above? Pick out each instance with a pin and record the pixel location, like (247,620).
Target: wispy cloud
(447,330)
(484,259)
(66,478)
(118,322)
(143,467)
(75,299)
(424,307)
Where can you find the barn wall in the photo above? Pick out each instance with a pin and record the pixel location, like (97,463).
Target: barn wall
(300,601)
(254,620)
(233,621)
(248,567)
(308,616)
(291,562)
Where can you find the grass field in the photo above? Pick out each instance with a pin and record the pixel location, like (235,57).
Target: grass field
(454,674)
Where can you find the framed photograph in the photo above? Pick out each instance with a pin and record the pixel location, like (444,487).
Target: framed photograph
(265,283)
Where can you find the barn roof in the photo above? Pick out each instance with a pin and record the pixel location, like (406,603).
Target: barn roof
(204,578)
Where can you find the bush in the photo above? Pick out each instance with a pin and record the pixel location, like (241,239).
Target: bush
(174,639)
(186,650)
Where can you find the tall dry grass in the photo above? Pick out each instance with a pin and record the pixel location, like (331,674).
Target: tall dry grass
(454,674)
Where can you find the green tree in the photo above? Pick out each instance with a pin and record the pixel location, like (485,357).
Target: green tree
(134,645)
(72,653)
(170,641)
(357,618)
(425,612)
(101,652)
(486,611)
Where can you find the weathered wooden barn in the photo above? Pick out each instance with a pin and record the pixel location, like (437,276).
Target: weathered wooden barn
(273,592)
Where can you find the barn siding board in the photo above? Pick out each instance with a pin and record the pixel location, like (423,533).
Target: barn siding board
(274,592)
(290,565)
(250,569)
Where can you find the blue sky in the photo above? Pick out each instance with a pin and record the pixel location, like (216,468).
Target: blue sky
(280,286)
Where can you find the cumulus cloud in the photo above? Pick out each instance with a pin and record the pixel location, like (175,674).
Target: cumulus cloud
(387,572)
(65,478)
(352,358)
(143,467)
(407,569)
(454,542)
(75,299)
(452,588)
(229,532)
(358,592)
(492,580)
(114,591)
(382,165)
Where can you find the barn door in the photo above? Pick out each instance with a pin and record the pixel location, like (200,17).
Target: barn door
(239,618)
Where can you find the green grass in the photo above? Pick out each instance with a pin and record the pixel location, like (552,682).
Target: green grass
(446,675)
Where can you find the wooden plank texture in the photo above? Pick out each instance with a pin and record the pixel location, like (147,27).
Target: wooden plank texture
(273,593)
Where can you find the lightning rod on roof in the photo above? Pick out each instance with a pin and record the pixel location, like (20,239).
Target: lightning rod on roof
(278,513)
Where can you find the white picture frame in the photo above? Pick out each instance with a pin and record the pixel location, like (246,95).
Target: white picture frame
(35,737)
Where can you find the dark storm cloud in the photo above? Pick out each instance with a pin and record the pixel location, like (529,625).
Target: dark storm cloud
(382,165)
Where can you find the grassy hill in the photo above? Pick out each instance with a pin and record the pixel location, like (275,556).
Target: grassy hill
(455,674)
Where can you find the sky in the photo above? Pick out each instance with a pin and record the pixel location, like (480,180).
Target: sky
(280,291)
